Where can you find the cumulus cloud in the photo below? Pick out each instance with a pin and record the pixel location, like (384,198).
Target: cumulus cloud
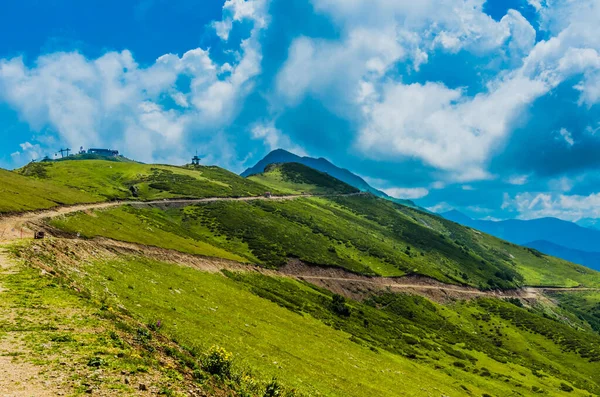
(28,152)
(274,138)
(518,179)
(378,34)
(567,207)
(452,25)
(440,208)
(429,121)
(358,76)
(442,127)
(111,100)
(324,68)
(406,192)
(239,10)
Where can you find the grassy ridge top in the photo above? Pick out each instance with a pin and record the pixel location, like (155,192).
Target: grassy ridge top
(109,180)
(297,178)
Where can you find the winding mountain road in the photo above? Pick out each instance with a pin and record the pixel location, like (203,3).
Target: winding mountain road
(14,227)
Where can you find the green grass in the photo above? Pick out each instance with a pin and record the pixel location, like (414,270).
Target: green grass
(293,178)
(362,234)
(388,345)
(86,343)
(536,269)
(74,181)
(61,331)
(585,305)
(109,180)
(18,194)
(150,227)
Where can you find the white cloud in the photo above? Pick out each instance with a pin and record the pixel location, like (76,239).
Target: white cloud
(567,207)
(406,192)
(441,207)
(27,153)
(537,4)
(113,101)
(274,138)
(592,129)
(566,135)
(239,10)
(562,184)
(441,127)
(357,76)
(452,24)
(491,218)
(376,34)
(518,179)
(430,121)
(323,68)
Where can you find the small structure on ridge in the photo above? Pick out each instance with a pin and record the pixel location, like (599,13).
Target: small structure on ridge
(104,152)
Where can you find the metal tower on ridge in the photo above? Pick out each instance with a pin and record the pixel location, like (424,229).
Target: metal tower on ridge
(196,159)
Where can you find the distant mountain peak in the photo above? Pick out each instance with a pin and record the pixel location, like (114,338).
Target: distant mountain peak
(323,165)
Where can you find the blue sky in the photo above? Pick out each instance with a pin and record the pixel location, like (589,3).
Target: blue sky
(487,107)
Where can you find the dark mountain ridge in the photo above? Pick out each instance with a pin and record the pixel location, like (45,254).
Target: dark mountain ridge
(588,259)
(323,165)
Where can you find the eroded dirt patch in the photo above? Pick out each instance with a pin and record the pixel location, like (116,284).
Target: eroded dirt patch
(75,252)
(359,287)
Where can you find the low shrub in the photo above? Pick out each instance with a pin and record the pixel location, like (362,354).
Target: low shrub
(565,387)
(218,362)
(273,389)
(339,306)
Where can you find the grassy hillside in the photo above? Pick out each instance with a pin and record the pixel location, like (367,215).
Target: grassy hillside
(109,180)
(19,193)
(363,234)
(175,328)
(537,269)
(298,178)
(318,344)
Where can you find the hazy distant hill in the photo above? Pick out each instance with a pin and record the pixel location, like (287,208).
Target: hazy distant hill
(551,236)
(323,165)
(556,231)
(589,259)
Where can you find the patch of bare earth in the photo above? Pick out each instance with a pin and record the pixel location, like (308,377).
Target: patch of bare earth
(359,287)
(351,285)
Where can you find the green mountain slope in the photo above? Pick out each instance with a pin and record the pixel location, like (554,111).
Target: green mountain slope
(312,341)
(363,234)
(296,178)
(318,344)
(18,193)
(279,156)
(109,180)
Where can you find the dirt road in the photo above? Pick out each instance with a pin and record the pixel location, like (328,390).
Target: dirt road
(14,227)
